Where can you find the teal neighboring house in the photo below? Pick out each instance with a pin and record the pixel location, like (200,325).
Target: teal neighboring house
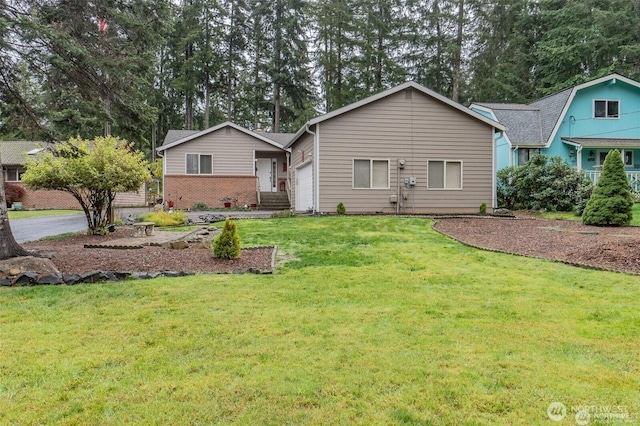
(580,124)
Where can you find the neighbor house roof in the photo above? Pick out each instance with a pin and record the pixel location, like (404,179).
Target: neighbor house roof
(603,142)
(168,143)
(389,92)
(12,152)
(523,123)
(538,122)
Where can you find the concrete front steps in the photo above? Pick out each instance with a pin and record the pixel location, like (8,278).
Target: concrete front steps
(274,201)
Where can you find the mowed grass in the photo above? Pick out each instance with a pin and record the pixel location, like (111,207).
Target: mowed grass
(373,320)
(635,210)
(27,214)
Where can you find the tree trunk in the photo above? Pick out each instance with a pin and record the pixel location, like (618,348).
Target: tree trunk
(457,57)
(8,245)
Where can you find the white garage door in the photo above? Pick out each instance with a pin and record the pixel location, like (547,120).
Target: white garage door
(304,188)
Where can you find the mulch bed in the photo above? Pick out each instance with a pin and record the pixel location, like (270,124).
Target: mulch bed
(71,257)
(616,249)
(609,248)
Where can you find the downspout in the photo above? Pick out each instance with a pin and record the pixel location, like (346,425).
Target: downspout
(513,155)
(164,173)
(288,160)
(314,160)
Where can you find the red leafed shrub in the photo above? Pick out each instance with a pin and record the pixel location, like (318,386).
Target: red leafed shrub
(13,192)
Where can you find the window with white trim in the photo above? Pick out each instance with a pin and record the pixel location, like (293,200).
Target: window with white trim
(199,164)
(525,154)
(444,174)
(370,174)
(627,157)
(14,174)
(605,108)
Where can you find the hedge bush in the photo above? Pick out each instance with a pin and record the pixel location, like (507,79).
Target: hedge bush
(162,218)
(611,202)
(544,183)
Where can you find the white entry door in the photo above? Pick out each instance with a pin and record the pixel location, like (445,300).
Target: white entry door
(304,188)
(265,172)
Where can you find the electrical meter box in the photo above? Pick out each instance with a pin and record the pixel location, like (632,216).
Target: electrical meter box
(412,181)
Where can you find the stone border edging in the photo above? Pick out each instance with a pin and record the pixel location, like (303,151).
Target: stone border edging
(92,277)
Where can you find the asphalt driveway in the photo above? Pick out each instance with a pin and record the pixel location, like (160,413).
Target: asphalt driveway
(38,227)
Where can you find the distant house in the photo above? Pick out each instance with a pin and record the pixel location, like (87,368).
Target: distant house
(580,124)
(405,150)
(13,154)
(225,164)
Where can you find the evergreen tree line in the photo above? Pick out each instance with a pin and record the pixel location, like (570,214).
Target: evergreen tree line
(137,68)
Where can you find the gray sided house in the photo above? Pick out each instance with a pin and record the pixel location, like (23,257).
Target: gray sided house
(225,164)
(405,150)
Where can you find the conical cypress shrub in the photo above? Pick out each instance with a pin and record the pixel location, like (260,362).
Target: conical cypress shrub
(611,201)
(227,244)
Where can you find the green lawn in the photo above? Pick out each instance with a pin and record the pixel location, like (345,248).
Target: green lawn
(26,214)
(373,320)
(572,216)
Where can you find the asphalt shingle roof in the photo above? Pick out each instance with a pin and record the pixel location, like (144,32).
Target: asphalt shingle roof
(12,152)
(175,135)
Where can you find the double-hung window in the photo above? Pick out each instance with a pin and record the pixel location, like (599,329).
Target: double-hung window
(606,108)
(444,174)
(199,164)
(14,174)
(370,174)
(525,154)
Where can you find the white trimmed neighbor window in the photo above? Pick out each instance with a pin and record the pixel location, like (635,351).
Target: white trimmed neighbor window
(199,164)
(525,154)
(370,174)
(14,174)
(627,157)
(606,108)
(444,174)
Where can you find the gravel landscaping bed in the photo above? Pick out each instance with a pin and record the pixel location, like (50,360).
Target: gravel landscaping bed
(609,248)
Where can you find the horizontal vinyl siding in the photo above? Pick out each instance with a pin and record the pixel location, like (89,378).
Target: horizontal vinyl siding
(415,129)
(232,153)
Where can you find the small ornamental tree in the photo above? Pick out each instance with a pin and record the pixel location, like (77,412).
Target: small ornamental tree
(611,201)
(13,193)
(227,244)
(92,171)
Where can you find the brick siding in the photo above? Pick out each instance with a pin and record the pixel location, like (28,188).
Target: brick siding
(46,199)
(209,190)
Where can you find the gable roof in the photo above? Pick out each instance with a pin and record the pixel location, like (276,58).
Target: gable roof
(389,92)
(175,135)
(524,125)
(196,134)
(12,152)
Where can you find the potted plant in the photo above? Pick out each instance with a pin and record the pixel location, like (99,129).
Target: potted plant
(13,194)
(227,201)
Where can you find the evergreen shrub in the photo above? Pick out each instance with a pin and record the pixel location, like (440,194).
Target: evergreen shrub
(341,209)
(227,244)
(611,202)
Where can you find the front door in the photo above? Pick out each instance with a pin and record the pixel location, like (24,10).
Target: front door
(265,172)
